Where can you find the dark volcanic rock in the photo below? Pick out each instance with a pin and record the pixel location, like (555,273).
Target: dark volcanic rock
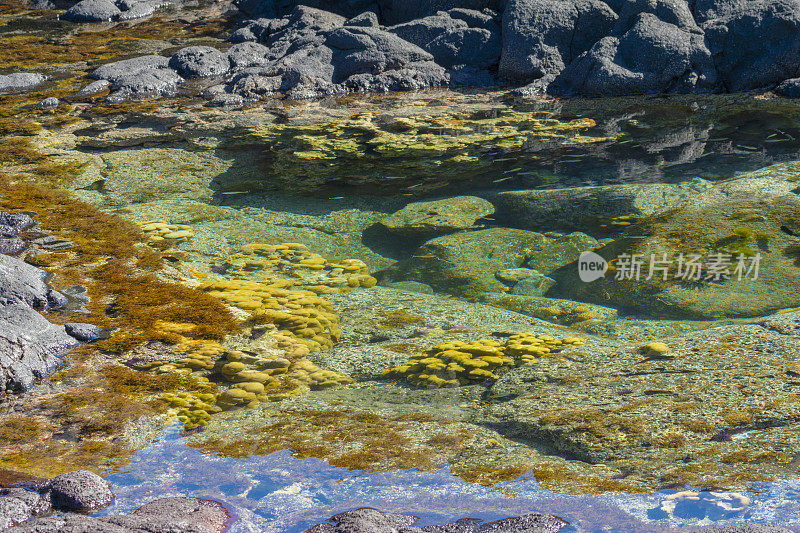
(21,81)
(172,515)
(368,520)
(248,54)
(366,19)
(80,491)
(18,505)
(176,514)
(789,88)
(83,332)
(540,37)
(199,62)
(757,44)
(30,346)
(92,11)
(655,48)
(449,37)
(120,70)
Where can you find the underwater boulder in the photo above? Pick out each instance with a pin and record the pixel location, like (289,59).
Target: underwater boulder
(92,11)
(438,217)
(745,234)
(588,208)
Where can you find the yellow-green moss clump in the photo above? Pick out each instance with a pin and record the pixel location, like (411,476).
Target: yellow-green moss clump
(160,233)
(425,152)
(460,363)
(266,263)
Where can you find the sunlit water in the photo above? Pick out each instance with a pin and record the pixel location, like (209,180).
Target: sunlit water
(655,142)
(278,493)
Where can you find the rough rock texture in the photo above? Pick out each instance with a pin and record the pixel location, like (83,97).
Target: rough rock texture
(740,221)
(199,62)
(82,332)
(173,515)
(138,77)
(541,37)
(438,217)
(79,491)
(368,520)
(586,208)
(21,81)
(108,10)
(466,263)
(18,505)
(653,48)
(29,345)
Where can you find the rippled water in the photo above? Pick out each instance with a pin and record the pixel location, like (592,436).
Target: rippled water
(278,493)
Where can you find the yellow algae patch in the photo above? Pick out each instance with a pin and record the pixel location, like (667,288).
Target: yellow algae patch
(267,263)
(461,363)
(160,233)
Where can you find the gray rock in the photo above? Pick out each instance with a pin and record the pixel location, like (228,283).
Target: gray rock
(30,346)
(756,44)
(477,47)
(119,71)
(586,208)
(48,103)
(655,47)
(18,505)
(11,245)
(789,88)
(199,62)
(20,81)
(21,282)
(80,491)
(94,88)
(140,10)
(55,299)
(366,19)
(148,84)
(92,11)
(424,30)
(540,37)
(227,100)
(370,50)
(368,520)
(82,331)
(438,217)
(248,54)
(16,221)
(172,515)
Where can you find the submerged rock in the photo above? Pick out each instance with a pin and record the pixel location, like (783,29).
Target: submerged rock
(437,217)
(92,11)
(732,251)
(468,263)
(588,208)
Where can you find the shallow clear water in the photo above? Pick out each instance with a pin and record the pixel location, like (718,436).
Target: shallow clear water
(278,493)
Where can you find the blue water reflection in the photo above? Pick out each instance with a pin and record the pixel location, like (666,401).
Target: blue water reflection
(278,493)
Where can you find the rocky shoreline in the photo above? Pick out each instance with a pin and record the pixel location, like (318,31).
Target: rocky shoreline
(566,48)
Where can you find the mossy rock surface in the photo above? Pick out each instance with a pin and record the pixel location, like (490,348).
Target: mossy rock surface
(467,263)
(756,216)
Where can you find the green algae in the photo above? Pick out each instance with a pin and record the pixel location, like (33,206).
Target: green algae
(418,151)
